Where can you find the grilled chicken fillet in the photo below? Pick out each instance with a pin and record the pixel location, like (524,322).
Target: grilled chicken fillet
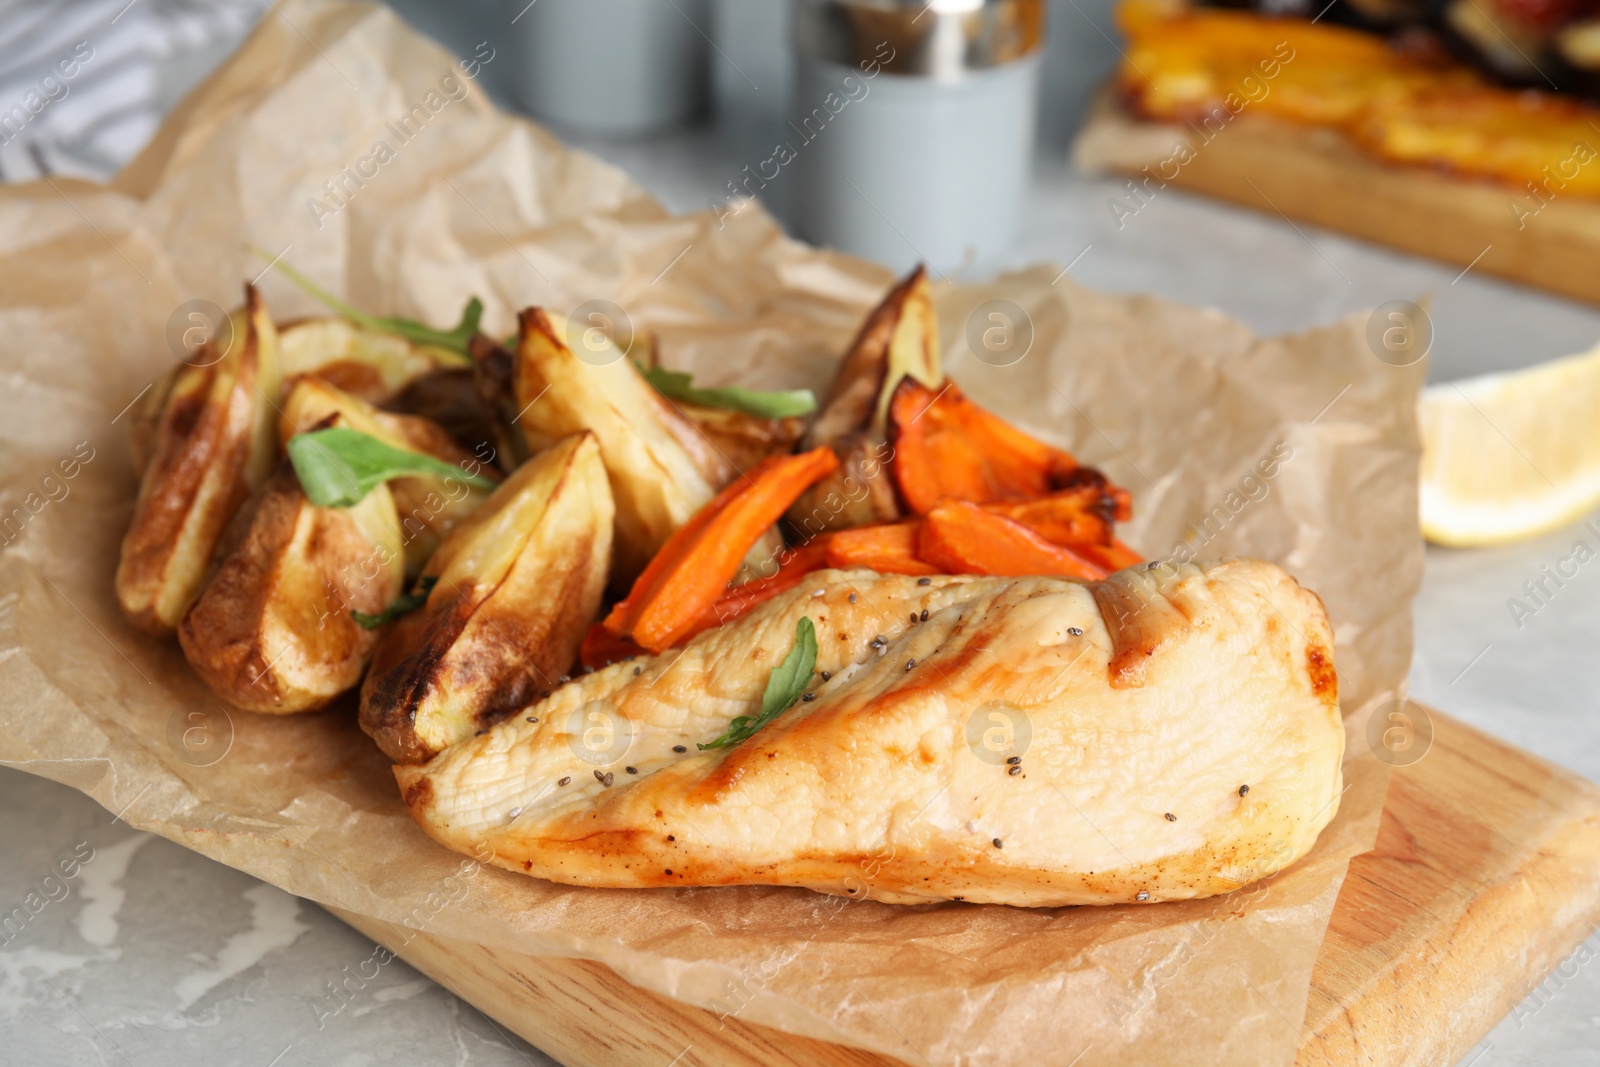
(1178,730)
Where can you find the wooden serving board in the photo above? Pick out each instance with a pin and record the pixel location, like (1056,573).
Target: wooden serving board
(1317,175)
(1485,875)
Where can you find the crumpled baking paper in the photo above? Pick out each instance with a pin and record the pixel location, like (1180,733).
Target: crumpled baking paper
(370,159)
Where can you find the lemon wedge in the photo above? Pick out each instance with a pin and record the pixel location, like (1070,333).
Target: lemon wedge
(1511,456)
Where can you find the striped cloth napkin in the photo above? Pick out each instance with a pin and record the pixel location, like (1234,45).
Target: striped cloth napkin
(83,85)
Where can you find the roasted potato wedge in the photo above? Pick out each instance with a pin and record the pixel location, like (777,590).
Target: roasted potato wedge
(272,630)
(371,364)
(517,584)
(655,482)
(899,339)
(429,507)
(144,418)
(215,442)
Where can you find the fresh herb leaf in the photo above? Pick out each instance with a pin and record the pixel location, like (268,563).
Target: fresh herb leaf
(784,686)
(405,603)
(338,466)
(676,385)
(417,332)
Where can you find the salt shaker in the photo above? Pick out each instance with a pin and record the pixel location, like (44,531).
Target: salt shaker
(613,66)
(913,126)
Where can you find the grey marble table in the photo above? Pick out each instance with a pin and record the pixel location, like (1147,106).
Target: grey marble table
(158,956)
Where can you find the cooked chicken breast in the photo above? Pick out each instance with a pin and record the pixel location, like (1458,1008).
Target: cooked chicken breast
(1170,732)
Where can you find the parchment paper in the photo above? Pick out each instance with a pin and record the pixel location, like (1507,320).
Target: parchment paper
(1179,404)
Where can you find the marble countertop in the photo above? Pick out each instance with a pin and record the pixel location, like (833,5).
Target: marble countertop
(158,956)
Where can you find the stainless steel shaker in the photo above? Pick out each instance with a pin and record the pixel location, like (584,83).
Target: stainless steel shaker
(912,128)
(613,66)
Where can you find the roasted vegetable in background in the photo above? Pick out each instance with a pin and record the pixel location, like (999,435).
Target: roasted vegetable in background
(429,506)
(272,631)
(450,397)
(899,339)
(517,583)
(214,444)
(742,439)
(655,482)
(948,448)
(372,364)
(1408,105)
(493,371)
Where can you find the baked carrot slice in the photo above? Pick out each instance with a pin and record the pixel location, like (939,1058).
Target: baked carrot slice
(688,575)
(962,538)
(1113,557)
(1073,517)
(742,598)
(889,548)
(602,647)
(948,448)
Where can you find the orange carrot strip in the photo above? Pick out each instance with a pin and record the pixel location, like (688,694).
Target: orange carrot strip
(1072,517)
(948,448)
(962,538)
(1113,557)
(888,548)
(602,647)
(742,598)
(625,613)
(700,558)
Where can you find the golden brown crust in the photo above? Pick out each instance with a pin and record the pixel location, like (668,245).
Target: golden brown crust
(212,447)
(899,338)
(517,586)
(886,783)
(656,484)
(272,630)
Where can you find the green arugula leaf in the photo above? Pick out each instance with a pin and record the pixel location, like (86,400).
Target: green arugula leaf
(676,385)
(405,603)
(338,466)
(417,332)
(784,686)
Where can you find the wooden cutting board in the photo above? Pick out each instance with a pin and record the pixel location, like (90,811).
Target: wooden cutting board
(1318,176)
(1485,875)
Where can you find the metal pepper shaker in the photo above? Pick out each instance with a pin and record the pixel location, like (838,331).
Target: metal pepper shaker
(913,126)
(612,66)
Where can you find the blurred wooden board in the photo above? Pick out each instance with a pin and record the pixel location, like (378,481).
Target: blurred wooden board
(1318,176)
(1486,874)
